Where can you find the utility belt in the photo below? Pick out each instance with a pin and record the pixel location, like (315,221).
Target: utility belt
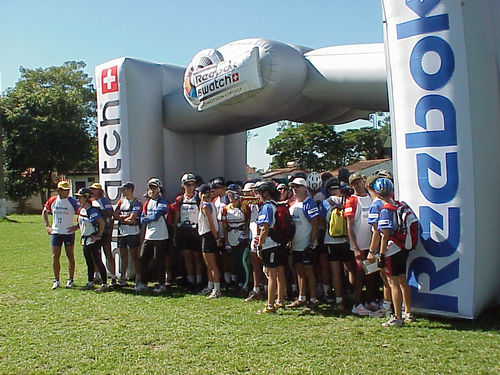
(187,225)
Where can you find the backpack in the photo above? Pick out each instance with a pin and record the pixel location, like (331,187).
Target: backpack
(284,228)
(405,222)
(336,222)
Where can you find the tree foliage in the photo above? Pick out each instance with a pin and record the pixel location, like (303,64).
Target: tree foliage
(49,126)
(319,147)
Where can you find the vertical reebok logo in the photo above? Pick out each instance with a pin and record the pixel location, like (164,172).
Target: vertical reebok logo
(109,79)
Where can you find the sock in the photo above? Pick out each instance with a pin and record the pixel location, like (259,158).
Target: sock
(256,289)
(210,285)
(339,300)
(199,279)
(234,279)
(386,305)
(190,279)
(302,298)
(313,300)
(294,288)
(217,287)
(227,277)
(326,288)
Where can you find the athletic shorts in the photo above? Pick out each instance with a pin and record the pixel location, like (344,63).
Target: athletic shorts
(208,243)
(59,239)
(395,265)
(130,241)
(187,238)
(274,256)
(340,252)
(303,257)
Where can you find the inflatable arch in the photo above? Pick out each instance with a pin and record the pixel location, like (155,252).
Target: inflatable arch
(438,69)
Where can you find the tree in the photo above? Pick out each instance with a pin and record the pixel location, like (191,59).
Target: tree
(310,145)
(49,126)
(318,147)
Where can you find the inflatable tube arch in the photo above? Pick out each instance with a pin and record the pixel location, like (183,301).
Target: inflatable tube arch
(441,77)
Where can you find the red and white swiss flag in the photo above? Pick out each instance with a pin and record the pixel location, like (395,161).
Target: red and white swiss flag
(109,79)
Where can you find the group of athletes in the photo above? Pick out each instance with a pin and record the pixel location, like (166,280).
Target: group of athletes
(226,233)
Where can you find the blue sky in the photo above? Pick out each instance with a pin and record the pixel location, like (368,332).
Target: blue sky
(44,33)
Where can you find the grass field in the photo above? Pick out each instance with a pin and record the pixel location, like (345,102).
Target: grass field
(82,332)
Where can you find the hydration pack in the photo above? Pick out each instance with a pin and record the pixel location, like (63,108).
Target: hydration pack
(336,222)
(284,228)
(405,222)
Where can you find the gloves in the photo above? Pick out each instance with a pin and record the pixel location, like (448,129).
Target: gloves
(381,261)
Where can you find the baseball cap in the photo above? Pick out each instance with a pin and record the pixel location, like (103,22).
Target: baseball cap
(204,188)
(96,185)
(353,177)
(63,185)
(298,181)
(128,185)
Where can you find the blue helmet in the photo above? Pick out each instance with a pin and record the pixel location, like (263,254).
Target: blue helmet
(383,186)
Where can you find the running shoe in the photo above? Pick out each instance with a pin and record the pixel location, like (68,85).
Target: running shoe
(381,313)
(268,309)
(373,306)
(313,305)
(279,305)
(140,287)
(88,286)
(253,296)
(295,304)
(159,289)
(394,322)
(69,284)
(55,284)
(122,282)
(113,281)
(408,317)
(102,288)
(360,309)
(339,306)
(215,294)
(205,291)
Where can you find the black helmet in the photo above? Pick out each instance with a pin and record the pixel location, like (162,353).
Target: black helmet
(332,183)
(265,185)
(84,192)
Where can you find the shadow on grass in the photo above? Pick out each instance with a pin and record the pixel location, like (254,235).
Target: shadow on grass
(9,220)
(489,320)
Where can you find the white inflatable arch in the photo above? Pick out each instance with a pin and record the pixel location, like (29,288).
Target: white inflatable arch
(440,63)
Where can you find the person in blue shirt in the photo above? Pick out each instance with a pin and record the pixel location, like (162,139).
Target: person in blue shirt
(273,255)
(392,257)
(153,217)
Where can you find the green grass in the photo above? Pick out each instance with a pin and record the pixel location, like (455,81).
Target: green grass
(76,332)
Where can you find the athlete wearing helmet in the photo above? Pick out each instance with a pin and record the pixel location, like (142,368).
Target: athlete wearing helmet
(392,257)
(273,255)
(154,247)
(186,237)
(91,225)
(314,181)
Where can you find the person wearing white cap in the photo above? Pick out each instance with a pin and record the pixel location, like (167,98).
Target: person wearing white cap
(305,214)
(63,209)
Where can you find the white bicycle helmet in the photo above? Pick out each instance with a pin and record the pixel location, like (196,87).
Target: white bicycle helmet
(314,181)
(154,181)
(188,177)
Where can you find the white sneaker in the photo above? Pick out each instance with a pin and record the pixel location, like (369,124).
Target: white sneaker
(214,294)
(69,284)
(373,306)
(102,288)
(159,289)
(206,291)
(394,322)
(381,313)
(360,309)
(140,287)
(55,284)
(408,317)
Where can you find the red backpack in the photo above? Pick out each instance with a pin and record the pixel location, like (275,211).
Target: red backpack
(284,228)
(405,222)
